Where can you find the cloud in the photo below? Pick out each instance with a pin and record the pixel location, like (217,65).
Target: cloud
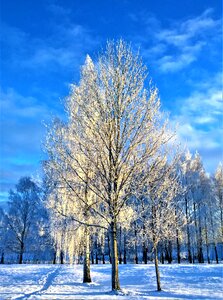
(181,33)
(205,100)
(58,10)
(176,63)
(48,56)
(64,46)
(21,134)
(16,105)
(180,43)
(200,23)
(187,40)
(200,120)
(22,126)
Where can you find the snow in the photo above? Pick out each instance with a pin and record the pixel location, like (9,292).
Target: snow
(137,282)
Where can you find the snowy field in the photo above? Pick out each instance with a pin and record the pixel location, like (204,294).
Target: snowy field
(137,281)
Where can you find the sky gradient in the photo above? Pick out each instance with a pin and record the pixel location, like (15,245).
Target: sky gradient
(44,43)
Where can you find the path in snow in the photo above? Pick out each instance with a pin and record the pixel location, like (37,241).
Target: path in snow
(25,281)
(45,282)
(42,282)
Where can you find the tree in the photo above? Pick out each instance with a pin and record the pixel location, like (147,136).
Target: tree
(70,196)
(186,182)
(218,187)
(3,235)
(197,173)
(192,172)
(157,203)
(114,129)
(23,206)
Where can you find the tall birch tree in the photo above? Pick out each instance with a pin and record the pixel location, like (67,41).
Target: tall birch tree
(114,130)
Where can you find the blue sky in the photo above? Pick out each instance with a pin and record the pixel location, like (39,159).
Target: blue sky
(43,44)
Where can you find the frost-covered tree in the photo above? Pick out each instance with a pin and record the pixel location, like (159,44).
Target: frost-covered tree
(68,236)
(186,182)
(197,172)
(201,206)
(194,200)
(3,236)
(157,205)
(114,130)
(70,195)
(218,189)
(209,215)
(21,216)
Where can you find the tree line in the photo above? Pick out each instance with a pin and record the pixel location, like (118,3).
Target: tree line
(116,187)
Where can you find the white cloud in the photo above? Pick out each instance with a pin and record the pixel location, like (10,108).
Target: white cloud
(181,33)
(206,99)
(58,10)
(47,55)
(200,120)
(176,63)
(179,44)
(63,47)
(200,24)
(21,134)
(16,105)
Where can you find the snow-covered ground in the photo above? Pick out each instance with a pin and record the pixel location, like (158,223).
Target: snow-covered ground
(137,282)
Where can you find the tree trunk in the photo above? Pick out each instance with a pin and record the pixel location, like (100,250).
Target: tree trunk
(114,257)
(178,248)
(188,232)
(124,258)
(120,258)
(213,236)
(196,232)
(96,257)
(144,245)
(206,240)
(109,250)
(92,257)
(221,219)
(168,250)
(96,250)
(177,238)
(61,257)
(120,246)
(79,258)
(21,253)
(136,248)
(216,253)
(145,257)
(200,241)
(208,253)
(193,256)
(221,210)
(92,249)
(170,253)
(2,258)
(86,264)
(162,257)
(157,269)
(54,257)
